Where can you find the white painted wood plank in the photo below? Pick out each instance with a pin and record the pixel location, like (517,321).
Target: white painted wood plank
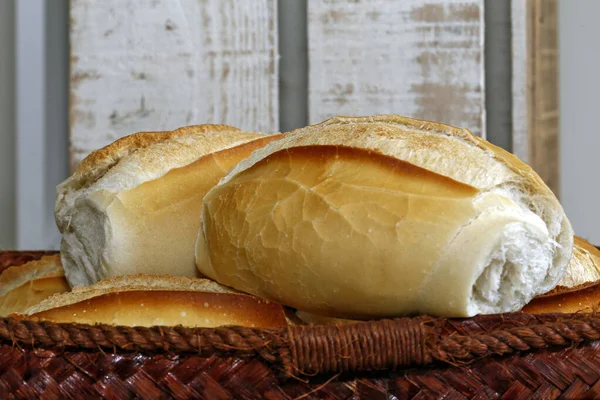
(31,96)
(544,101)
(419,58)
(519,45)
(535,86)
(160,64)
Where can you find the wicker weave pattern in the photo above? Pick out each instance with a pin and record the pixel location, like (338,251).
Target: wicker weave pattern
(221,371)
(46,374)
(556,356)
(312,350)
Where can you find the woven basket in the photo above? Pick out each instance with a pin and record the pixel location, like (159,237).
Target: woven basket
(510,356)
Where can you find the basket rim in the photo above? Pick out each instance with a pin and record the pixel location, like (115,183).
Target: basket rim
(323,349)
(377,345)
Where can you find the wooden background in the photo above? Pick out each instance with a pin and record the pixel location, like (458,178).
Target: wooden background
(418,58)
(159,64)
(265,65)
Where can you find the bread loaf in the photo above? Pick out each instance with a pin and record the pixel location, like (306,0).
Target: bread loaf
(579,289)
(385,216)
(134,206)
(584,267)
(25,285)
(150,300)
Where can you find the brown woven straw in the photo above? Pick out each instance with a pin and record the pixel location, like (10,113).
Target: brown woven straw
(497,356)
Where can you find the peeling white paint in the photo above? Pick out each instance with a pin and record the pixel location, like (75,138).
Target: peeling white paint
(161,64)
(418,58)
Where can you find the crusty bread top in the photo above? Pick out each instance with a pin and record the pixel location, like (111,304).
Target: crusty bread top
(142,157)
(139,282)
(443,149)
(426,144)
(151,300)
(98,162)
(46,267)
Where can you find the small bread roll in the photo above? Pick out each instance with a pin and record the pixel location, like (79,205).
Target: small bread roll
(23,286)
(134,206)
(579,289)
(385,216)
(151,300)
(583,269)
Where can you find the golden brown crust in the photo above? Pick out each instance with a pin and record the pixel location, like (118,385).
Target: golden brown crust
(584,299)
(172,308)
(320,153)
(583,270)
(587,246)
(144,282)
(579,291)
(46,267)
(24,286)
(31,293)
(99,161)
(148,300)
(337,234)
(134,206)
(509,159)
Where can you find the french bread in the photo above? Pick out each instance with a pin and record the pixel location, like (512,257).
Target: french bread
(583,269)
(151,300)
(26,285)
(362,217)
(579,289)
(134,205)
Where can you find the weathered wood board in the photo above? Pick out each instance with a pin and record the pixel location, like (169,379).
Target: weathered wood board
(520,61)
(419,58)
(160,64)
(544,103)
(535,87)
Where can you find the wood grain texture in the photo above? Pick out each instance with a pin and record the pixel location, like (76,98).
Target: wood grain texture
(543,101)
(535,87)
(160,64)
(419,58)
(520,71)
